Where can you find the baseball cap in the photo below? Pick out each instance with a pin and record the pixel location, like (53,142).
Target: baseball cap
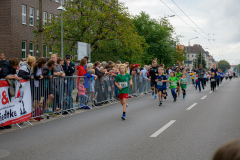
(67,56)
(136,65)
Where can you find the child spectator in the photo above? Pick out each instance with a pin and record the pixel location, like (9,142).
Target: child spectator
(82,93)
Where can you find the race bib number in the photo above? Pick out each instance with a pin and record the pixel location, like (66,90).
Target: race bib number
(123,84)
(212,80)
(173,83)
(184,82)
(159,83)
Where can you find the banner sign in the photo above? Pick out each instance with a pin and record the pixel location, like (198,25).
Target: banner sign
(15,109)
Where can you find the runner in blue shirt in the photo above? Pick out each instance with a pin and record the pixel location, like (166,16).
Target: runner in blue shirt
(218,77)
(161,85)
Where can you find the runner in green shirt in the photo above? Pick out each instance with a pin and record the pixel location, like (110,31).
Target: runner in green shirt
(179,76)
(123,81)
(183,83)
(173,84)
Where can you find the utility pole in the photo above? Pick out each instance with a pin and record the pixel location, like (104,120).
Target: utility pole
(40,31)
(201,56)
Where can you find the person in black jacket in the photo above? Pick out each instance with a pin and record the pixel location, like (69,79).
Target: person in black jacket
(48,75)
(213,81)
(69,69)
(152,76)
(2,61)
(25,69)
(9,69)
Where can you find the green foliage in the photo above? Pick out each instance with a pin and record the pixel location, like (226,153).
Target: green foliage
(158,36)
(107,26)
(197,61)
(237,67)
(224,65)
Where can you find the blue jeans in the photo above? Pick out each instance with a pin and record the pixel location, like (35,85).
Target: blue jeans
(83,99)
(196,84)
(200,81)
(174,94)
(68,87)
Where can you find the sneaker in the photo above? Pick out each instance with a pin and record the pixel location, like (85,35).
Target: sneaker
(87,107)
(127,105)
(152,93)
(155,97)
(123,117)
(175,99)
(166,94)
(165,97)
(160,103)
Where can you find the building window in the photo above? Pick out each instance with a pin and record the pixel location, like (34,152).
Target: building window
(37,15)
(37,50)
(44,50)
(31,15)
(31,48)
(50,50)
(44,18)
(23,49)
(50,18)
(24,11)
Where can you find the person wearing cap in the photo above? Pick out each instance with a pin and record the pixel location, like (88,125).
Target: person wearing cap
(69,69)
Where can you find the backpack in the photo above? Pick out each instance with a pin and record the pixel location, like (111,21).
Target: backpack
(37,113)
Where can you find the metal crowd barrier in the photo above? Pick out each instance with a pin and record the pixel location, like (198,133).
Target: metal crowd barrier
(60,95)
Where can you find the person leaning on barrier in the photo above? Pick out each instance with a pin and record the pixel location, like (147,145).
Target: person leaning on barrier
(38,81)
(229,151)
(2,60)
(58,69)
(9,69)
(48,89)
(25,69)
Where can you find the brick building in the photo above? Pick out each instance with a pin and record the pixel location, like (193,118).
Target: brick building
(18,20)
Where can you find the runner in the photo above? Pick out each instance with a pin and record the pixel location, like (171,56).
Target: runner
(173,85)
(230,75)
(179,76)
(161,85)
(218,77)
(226,75)
(152,76)
(192,77)
(221,76)
(200,72)
(213,80)
(183,82)
(122,81)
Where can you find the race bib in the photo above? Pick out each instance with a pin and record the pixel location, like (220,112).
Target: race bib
(184,82)
(212,80)
(159,83)
(123,84)
(173,83)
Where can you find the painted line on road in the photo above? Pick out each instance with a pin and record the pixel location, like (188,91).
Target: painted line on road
(204,97)
(163,128)
(210,92)
(191,106)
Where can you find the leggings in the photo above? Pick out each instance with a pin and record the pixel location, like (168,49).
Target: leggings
(173,90)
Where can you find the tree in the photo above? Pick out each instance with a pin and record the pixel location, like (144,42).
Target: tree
(158,36)
(200,58)
(224,65)
(107,26)
(237,68)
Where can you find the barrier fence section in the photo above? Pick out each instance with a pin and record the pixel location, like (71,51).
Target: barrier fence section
(65,95)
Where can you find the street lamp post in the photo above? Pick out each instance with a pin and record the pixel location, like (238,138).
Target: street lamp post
(189,46)
(62,9)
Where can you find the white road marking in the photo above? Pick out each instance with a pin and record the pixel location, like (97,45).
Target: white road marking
(204,97)
(194,104)
(210,92)
(163,128)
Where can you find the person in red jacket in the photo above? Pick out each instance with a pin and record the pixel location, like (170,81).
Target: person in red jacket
(81,71)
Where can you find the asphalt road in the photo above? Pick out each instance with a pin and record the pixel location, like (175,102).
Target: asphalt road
(190,129)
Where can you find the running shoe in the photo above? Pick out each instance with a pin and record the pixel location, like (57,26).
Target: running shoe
(123,117)
(175,99)
(127,105)
(160,103)
(165,97)
(155,97)
(152,93)
(166,94)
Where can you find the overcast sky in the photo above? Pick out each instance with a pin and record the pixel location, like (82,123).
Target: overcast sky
(220,19)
